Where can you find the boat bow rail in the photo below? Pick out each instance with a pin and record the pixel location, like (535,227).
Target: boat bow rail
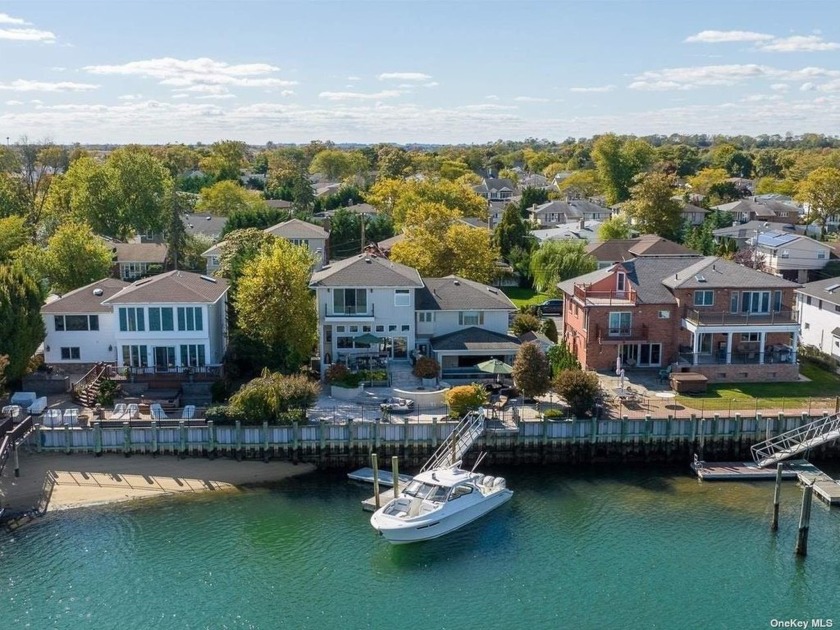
(797,441)
(456,445)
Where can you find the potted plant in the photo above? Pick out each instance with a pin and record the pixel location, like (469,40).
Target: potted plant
(427,370)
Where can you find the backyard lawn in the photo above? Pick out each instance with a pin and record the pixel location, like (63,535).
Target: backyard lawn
(524,297)
(822,385)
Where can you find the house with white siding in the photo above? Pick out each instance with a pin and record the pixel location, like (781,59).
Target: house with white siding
(818,312)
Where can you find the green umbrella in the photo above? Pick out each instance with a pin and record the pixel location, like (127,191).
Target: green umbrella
(494,366)
(367,338)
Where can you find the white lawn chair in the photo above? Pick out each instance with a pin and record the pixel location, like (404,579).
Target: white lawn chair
(71,417)
(189,412)
(13,411)
(38,405)
(157,412)
(133,411)
(53,417)
(119,412)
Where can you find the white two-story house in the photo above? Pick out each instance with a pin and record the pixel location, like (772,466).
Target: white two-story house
(818,312)
(790,256)
(79,327)
(169,322)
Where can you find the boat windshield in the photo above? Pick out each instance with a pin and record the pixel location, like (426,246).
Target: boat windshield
(426,491)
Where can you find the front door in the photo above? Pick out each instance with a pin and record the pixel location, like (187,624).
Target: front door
(164,358)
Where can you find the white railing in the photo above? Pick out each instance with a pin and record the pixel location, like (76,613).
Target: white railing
(797,441)
(458,442)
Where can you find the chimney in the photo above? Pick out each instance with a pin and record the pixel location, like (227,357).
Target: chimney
(582,223)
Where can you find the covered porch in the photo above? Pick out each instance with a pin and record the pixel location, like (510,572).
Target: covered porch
(757,344)
(459,353)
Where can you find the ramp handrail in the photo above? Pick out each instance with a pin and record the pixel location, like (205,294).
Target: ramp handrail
(455,446)
(797,440)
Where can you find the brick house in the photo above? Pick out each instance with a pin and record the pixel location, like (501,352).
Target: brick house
(702,314)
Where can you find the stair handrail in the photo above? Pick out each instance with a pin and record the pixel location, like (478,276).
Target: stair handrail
(458,442)
(796,440)
(91,376)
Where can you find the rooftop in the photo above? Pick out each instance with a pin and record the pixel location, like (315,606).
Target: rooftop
(456,294)
(172,287)
(827,290)
(366,271)
(87,299)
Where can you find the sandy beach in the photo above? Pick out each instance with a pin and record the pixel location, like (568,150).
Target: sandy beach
(86,480)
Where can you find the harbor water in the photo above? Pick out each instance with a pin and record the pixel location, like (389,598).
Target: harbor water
(575,548)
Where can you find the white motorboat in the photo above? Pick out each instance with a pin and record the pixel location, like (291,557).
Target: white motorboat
(437,502)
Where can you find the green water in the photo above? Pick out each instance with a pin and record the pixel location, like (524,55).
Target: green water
(573,549)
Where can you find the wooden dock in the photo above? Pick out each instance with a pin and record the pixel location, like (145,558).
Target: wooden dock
(826,488)
(750,471)
(369,505)
(386,477)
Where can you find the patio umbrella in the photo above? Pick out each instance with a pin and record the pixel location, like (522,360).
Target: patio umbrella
(494,366)
(367,338)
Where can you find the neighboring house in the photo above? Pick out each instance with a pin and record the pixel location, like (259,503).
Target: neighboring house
(581,230)
(205,224)
(170,321)
(280,204)
(617,250)
(357,208)
(80,329)
(791,256)
(133,261)
(496,189)
(553,213)
(761,209)
(495,211)
(535,180)
(818,312)
(701,314)
(742,233)
(298,232)
(692,214)
(538,338)
(327,188)
(458,321)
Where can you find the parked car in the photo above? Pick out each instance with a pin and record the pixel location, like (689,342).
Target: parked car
(550,307)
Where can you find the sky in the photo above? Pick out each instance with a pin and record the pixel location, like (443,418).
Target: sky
(168,71)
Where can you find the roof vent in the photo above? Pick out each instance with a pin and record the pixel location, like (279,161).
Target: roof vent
(367,259)
(456,282)
(208,279)
(832,288)
(97,291)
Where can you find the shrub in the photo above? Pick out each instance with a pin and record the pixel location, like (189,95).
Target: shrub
(337,372)
(531,372)
(218,391)
(223,414)
(525,322)
(579,389)
(554,414)
(426,367)
(561,358)
(272,396)
(814,355)
(107,392)
(549,329)
(465,398)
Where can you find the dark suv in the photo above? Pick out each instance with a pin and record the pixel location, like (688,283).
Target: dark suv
(550,307)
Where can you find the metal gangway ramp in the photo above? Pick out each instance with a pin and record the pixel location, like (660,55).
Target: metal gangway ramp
(454,447)
(797,441)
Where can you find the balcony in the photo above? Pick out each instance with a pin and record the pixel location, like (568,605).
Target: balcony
(775,354)
(718,318)
(607,335)
(349,312)
(605,298)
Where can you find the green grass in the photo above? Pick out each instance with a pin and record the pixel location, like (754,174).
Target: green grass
(524,297)
(822,385)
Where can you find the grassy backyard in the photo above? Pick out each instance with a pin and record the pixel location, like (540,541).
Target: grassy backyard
(823,385)
(524,297)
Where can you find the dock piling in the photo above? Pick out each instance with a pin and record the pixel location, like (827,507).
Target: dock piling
(774,525)
(374,463)
(17,462)
(395,471)
(804,521)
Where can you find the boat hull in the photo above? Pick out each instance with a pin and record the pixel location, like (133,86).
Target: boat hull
(436,524)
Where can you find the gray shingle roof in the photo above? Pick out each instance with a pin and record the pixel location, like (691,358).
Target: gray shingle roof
(819,289)
(140,252)
(476,340)
(366,271)
(172,287)
(206,224)
(457,294)
(713,272)
(83,300)
(295,228)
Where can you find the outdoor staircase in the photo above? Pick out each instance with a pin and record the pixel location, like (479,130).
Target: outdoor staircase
(86,389)
(458,443)
(797,441)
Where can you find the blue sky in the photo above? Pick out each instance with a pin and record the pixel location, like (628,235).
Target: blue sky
(402,71)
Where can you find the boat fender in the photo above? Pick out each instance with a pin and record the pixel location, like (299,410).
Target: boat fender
(499,484)
(478,479)
(488,481)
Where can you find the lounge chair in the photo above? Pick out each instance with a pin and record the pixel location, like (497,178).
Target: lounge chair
(665,373)
(13,411)
(119,412)
(53,417)
(71,417)
(189,412)
(157,412)
(133,411)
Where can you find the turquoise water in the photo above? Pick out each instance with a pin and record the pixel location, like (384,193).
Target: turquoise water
(573,549)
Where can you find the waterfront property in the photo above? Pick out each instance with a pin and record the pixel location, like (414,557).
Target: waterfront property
(818,312)
(701,314)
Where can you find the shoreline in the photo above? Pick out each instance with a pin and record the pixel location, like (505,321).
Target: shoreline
(81,480)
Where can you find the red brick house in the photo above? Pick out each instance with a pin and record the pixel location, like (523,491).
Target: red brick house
(702,313)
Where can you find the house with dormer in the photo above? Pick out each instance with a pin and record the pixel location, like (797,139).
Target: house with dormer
(556,212)
(701,314)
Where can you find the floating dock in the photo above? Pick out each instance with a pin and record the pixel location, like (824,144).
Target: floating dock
(386,478)
(369,505)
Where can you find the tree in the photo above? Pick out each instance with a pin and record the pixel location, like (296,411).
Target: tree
(561,358)
(654,208)
(274,397)
(40,162)
(14,234)
(581,184)
(335,165)
(21,326)
(238,249)
(227,197)
(393,162)
(615,227)
(511,231)
(398,197)
(13,200)
(465,398)
(705,179)
(579,389)
(531,197)
(559,260)
(617,162)
(225,159)
(74,257)
(176,231)
(549,329)
(821,191)
(190,257)
(531,372)
(274,305)
(259,217)
(524,322)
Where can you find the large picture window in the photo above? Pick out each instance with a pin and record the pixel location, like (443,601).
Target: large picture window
(132,319)
(620,323)
(189,318)
(350,301)
(160,318)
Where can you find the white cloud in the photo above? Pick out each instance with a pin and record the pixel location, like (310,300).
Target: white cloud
(487,107)
(180,95)
(287,93)
(602,88)
(226,95)
(359,96)
(531,99)
(130,97)
(5,18)
(717,37)
(431,84)
(780,87)
(807,87)
(688,78)
(757,98)
(404,76)
(799,43)
(21,85)
(27,35)
(14,102)
(492,97)
(354,78)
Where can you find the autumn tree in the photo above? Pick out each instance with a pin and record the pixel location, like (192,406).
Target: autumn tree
(524,322)
(531,372)
(397,197)
(702,182)
(21,326)
(617,162)
(511,231)
(337,165)
(75,257)
(225,159)
(615,227)
(581,184)
(558,260)
(14,234)
(274,305)
(579,389)
(560,357)
(821,192)
(653,207)
(238,249)
(227,197)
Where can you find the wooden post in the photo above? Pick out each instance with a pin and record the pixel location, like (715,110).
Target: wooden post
(97,438)
(238,439)
(67,439)
(17,462)
(374,463)
(434,432)
(395,471)
(266,442)
(804,521)
(182,436)
(774,524)
(126,439)
(155,435)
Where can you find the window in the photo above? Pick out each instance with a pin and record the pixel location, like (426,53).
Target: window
(300,241)
(344,342)
(402,297)
(70,354)
(821,254)
(93,322)
(353,329)
(471,318)
(704,298)
(339,329)
(755,301)
(349,301)
(733,302)
(193,355)
(620,324)
(425,316)
(76,322)
(132,320)
(406,328)
(392,327)
(380,328)
(750,337)
(365,329)
(189,318)
(664,314)
(160,318)
(808,300)
(134,270)
(620,281)
(135,356)
(777,301)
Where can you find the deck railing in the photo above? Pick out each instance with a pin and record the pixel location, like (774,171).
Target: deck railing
(719,318)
